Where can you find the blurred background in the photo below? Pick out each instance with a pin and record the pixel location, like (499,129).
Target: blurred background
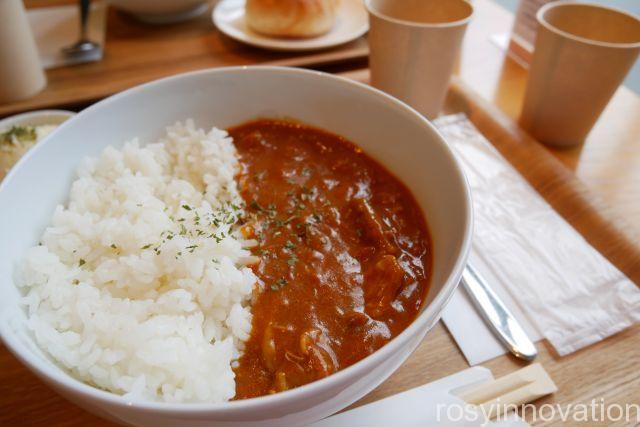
(633,6)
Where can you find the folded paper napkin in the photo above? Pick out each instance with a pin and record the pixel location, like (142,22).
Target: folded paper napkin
(555,283)
(57,27)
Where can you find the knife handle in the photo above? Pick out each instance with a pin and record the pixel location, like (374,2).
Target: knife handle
(498,316)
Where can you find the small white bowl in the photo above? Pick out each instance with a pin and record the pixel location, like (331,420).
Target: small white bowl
(36,118)
(33,118)
(390,131)
(162,11)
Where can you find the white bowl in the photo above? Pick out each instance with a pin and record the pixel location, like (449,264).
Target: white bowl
(162,11)
(36,118)
(387,129)
(32,118)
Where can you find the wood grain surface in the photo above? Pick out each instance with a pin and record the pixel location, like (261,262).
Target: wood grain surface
(609,161)
(596,187)
(136,53)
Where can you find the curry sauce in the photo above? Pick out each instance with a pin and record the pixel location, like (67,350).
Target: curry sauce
(345,255)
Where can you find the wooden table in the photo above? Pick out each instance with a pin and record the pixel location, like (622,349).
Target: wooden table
(607,194)
(136,53)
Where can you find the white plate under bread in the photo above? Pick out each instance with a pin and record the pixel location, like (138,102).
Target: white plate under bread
(351,22)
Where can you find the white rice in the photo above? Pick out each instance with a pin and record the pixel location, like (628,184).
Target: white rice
(123,306)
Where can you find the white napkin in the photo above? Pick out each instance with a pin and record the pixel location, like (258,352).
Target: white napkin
(57,27)
(556,284)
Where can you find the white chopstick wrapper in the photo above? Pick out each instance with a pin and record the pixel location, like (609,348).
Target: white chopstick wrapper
(554,282)
(434,404)
(498,397)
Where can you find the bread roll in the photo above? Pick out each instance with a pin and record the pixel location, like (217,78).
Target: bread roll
(291,18)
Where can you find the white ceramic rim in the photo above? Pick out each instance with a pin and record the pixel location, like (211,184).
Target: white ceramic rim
(169,18)
(540,16)
(22,117)
(75,386)
(375,12)
(281,44)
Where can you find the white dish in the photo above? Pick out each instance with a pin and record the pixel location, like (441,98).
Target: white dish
(162,11)
(36,118)
(33,118)
(388,130)
(352,22)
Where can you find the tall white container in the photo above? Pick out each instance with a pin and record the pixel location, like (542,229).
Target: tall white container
(21,73)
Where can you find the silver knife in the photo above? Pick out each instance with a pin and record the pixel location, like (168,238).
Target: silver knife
(498,316)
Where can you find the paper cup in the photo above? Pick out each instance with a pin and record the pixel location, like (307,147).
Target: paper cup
(582,54)
(21,74)
(414,46)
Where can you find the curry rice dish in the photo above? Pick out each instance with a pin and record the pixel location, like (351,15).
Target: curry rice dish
(211,266)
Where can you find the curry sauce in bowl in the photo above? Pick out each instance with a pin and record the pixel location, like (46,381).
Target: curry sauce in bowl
(345,254)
